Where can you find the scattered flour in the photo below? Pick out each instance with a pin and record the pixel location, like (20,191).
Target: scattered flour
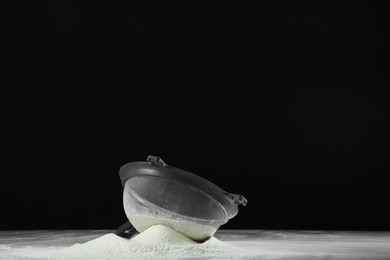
(155,242)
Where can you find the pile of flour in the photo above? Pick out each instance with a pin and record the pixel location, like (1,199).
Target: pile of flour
(192,230)
(157,241)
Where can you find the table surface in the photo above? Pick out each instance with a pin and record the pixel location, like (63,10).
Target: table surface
(267,244)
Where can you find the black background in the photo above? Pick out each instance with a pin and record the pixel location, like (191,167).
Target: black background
(285,103)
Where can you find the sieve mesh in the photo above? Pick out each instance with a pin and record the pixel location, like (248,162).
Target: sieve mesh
(143,217)
(176,198)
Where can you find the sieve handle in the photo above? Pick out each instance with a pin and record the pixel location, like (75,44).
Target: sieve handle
(155,160)
(126,230)
(236,199)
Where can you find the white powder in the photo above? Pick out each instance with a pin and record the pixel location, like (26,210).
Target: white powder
(193,230)
(161,234)
(157,241)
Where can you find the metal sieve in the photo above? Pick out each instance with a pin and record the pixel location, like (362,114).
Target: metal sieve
(156,193)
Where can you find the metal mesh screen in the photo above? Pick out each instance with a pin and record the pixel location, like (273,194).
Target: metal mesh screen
(167,195)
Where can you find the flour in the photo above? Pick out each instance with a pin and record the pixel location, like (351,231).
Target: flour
(157,241)
(193,230)
(161,234)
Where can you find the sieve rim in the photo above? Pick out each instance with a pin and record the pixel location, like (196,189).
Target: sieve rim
(155,166)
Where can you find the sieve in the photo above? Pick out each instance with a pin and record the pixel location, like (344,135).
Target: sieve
(157,193)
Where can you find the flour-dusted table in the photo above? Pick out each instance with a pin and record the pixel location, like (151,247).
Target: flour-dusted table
(266,244)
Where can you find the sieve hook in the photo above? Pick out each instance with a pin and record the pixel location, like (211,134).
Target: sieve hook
(155,160)
(236,199)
